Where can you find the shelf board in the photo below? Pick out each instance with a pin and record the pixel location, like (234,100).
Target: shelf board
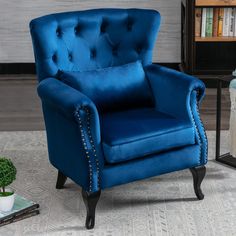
(215,39)
(213,3)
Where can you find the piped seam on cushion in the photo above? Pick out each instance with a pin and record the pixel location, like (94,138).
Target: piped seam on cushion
(130,158)
(152,136)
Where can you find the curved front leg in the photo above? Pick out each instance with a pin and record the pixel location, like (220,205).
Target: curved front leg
(90,201)
(198,175)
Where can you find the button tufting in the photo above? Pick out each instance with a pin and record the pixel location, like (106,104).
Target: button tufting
(77,29)
(104,26)
(70,57)
(139,49)
(129,24)
(93,53)
(58,32)
(115,50)
(54,57)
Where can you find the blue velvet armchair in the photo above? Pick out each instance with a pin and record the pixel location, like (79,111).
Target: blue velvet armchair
(111,116)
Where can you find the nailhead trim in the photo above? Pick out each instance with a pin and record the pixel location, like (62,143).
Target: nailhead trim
(196,127)
(201,123)
(92,144)
(94,153)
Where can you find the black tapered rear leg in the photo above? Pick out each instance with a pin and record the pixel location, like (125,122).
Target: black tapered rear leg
(90,201)
(61,179)
(198,175)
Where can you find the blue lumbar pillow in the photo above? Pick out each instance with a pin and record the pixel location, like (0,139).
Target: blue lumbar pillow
(112,88)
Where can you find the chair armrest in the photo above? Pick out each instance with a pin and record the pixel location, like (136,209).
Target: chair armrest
(172,90)
(63,97)
(73,108)
(179,95)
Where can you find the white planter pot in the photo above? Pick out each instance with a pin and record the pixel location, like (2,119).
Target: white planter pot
(6,203)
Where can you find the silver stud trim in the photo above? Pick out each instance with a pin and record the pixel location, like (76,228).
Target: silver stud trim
(85,146)
(197,129)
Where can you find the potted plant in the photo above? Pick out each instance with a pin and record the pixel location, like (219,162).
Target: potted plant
(7,176)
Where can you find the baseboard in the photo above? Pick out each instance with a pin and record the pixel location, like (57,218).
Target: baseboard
(29,68)
(17,68)
(174,66)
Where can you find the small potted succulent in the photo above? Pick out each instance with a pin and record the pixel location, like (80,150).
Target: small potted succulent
(7,176)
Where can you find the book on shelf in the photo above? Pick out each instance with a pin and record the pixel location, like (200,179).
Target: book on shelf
(220,22)
(198,20)
(215,22)
(234,22)
(231,22)
(22,209)
(226,22)
(203,29)
(209,22)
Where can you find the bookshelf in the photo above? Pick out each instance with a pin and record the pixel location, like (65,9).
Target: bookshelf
(215,39)
(210,55)
(214,3)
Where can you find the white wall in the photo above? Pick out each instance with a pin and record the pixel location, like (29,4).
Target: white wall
(15,15)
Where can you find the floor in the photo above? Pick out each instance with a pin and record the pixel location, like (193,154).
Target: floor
(20,108)
(160,206)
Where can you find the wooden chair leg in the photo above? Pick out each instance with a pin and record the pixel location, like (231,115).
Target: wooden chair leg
(198,175)
(90,201)
(61,179)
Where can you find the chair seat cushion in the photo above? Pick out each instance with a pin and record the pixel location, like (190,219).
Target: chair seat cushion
(136,133)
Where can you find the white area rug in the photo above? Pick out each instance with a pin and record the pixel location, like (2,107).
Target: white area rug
(164,205)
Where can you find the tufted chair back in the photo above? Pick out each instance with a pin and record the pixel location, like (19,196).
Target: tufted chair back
(92,39)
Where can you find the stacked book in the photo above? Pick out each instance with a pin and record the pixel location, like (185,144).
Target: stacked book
(22,209)
(215,22)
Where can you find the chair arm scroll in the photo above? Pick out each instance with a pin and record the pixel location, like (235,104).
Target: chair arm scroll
(79,109)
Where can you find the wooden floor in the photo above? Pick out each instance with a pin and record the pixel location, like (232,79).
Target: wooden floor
(20,107)
(208,109)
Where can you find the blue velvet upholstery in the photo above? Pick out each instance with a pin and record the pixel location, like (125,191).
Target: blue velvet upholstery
(127,135)
(84,143)
(112,88)
(150,166)
(93,39)
(183,104)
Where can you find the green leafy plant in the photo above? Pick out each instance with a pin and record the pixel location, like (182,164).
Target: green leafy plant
(7,175)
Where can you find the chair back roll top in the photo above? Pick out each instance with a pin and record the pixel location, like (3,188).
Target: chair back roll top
(93,39)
